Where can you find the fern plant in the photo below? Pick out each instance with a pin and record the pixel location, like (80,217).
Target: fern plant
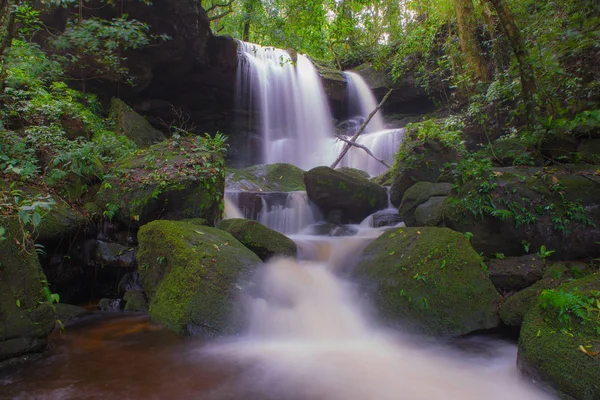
(572,306)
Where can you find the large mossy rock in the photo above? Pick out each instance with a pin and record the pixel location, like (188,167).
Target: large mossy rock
(263,241)
(527,207)
(171,180)
(430,280)
(278,177)
(26,319)
(563,356)
(423,163)
(514,308)
(191,275)
(133,125)
(419,194)
(353,195)
(61,222)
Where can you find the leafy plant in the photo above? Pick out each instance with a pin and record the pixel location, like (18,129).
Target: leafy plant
(569,307)
(545,253)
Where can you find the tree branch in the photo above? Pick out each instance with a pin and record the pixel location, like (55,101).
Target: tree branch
(215,6)
(365,148)
(362,128)
(219,16)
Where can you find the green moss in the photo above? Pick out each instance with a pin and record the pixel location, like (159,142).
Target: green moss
(513,309)
(186,180)
(278,177)
(27,317)
(135,301)
(552,355)
(189,273)
(430,278)
(263,241)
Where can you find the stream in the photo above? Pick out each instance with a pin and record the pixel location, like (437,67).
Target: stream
(308,336)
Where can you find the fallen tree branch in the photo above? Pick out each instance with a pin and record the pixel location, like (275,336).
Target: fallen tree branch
(365,148)
(362,128)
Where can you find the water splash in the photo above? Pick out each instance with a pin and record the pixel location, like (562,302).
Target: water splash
(309,337)
(295,121)
(285,212)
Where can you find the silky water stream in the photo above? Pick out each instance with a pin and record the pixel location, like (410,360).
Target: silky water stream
(309,336)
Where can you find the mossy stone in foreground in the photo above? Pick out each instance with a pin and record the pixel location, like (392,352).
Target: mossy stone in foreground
(192,275)
(263,241)
(429,279)
(26,319)
(555,356)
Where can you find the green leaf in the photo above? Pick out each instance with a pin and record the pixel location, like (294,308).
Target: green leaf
(18,302)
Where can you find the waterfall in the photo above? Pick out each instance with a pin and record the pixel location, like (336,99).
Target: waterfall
(308,337)
(285,212)
(362,102)
(295,121)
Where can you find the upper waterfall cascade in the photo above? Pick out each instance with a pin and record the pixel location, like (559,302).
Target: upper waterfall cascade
(292,115)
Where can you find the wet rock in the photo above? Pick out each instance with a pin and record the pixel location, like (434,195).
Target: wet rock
(427,160)
(178,185)
(355,196)
(513,309)
(560,355)
(192,276)
(418,194)
(558,208)
(387,217)
(263,241)
(68,312)
(106,304)
(431,213)
(133,125)
(329,229)
(429,280)
(27,317)
(115,255)
(516,273)
(278,177)
(135,301)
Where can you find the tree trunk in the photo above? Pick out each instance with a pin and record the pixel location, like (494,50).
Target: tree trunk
(467,32)
(7,33)
(517,44)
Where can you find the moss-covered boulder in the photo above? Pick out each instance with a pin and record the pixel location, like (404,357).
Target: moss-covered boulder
(419,194)
(422,162)
(133,125)
(278,177)
(353,195)
(516,273)
(521,208)
(431,213)
(135,301)
(513,309)
(61,222)
(430,280)
(171,180)
(26,318)
(560,346)
(354,172)
(263,241)
(191,275)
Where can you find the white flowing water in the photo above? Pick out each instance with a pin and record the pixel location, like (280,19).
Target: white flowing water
(383,144)
(363,102)
(295,121)
(309,337)
(287,213)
